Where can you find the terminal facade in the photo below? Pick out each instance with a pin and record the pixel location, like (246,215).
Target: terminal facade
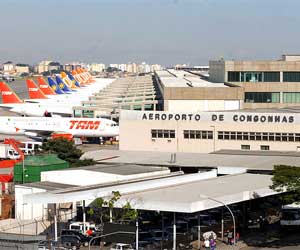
(266,84)
(206,132)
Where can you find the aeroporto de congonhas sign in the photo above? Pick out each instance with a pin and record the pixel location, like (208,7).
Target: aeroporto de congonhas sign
(239,117)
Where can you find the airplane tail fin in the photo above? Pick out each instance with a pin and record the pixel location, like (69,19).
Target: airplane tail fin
(75,82)
(68,81)
(78,77)
(8,95)
(44,87)
(53,85)
(62,85)
(34,91)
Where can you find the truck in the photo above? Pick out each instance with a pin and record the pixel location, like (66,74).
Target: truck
(7,152)
(290,215)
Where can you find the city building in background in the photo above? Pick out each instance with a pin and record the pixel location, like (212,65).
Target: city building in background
(43,67)
(8,67)
(97,67)
(22,68)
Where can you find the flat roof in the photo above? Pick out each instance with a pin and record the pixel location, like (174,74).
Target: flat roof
(201,160)
(197,196)
(120,169)
(47,185)
(179,78)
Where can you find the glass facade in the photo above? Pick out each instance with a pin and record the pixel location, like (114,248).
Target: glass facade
(291,97)
(236,76)
(291,76)
(262,97)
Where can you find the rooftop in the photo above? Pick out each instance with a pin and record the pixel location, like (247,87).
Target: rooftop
(120,169)
(179,198)
(49,186)
(179,78)
(227,159)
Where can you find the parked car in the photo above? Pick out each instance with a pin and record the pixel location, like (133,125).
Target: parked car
(70,241)
(84,239)
(47,245)
(121,246)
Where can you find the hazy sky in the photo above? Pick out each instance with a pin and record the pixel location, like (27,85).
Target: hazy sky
(155,31)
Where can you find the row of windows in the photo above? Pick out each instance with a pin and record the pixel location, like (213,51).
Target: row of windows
(258,136)
(262,97)
(197,134)
(162,133)
(236,76)
(272,97)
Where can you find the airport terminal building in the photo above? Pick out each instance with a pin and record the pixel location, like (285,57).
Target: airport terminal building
(206,132)
(265,83)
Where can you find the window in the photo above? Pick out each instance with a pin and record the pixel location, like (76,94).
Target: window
(262,97)
(154,133)
(192,134)
(232,135)
(186,134)
(172,133)
(221,135)
(245,147)
(271,76)
(162,133)
(166,134)
(159,134)
(291,76)
(233,76)
(251,76)
(197,134)
(291,97)
(264,147)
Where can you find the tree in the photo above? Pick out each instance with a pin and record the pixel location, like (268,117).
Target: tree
(99,210)
(66,150)
(287,179)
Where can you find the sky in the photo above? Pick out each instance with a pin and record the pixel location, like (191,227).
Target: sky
(166,32)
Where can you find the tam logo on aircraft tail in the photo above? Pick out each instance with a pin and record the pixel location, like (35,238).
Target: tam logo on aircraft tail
(78,124)
(6,92)
(33,89)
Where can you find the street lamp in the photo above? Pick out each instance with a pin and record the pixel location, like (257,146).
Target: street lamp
(230,211)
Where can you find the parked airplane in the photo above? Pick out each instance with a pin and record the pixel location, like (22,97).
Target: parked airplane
(38,126)
(13,103)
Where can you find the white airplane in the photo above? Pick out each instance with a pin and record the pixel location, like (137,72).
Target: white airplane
(62,93)
(77,127)
(14,104)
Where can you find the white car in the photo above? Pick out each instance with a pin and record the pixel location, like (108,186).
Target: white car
(121,246)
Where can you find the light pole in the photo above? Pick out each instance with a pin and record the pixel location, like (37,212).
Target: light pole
(230,211)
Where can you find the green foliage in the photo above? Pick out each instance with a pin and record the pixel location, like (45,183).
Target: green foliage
(287,178)
(99,209)
(66,150)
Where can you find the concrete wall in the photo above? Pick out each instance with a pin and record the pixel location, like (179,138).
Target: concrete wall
(85,177)
(135,134)
(24,211)
(200,105)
